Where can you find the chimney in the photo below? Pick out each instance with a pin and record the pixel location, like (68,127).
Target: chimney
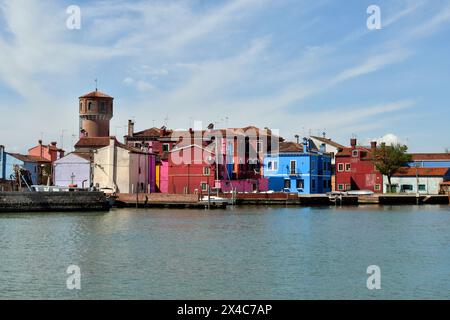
(353,142)
(40,142)
(130,128)
(53,143)
(373,146)
(305,145)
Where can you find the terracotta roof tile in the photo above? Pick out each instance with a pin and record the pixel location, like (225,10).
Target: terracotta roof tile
(28,158)
(430,156)
(96,94)
(290,147)
(422,172)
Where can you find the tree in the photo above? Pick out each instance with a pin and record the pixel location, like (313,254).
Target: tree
(389,159)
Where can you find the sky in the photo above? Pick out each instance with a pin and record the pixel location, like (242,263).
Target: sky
(300,66)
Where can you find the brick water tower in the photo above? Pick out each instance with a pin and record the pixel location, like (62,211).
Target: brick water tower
(96,111)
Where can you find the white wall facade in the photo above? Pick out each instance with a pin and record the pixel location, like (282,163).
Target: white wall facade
(119,170)
(427,185)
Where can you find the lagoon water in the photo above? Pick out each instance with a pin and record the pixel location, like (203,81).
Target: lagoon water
(237,253)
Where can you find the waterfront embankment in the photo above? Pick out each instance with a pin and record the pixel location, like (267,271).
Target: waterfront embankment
(53,201)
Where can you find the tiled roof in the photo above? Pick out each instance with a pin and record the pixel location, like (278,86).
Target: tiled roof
(328,141)
(96,94)
(152,132)
(366,153)
(290,147)
(430,156)
(28,158)
(422,172)
(92,142)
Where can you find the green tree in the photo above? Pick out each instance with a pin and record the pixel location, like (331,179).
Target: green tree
(389,159)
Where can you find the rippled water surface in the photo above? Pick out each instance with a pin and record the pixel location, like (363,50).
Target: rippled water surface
(240,253)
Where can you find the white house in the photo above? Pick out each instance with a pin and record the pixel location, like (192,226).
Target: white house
(327,145)
(122,169)
(73,170)
(425,180)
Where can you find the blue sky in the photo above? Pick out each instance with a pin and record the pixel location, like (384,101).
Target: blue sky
(293,65)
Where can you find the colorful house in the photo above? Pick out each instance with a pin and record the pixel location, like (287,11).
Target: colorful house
(355,169)
(118,168)
(73,170)
(422,180)
(158,141)
(240,151)
(297,169)
(50,152)
(33,169)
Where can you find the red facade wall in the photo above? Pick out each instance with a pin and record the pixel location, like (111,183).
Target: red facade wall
(359,171)
(188,177)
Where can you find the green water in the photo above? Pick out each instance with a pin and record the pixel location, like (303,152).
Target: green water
(240,253)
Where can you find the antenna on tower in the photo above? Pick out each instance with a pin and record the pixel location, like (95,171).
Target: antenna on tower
(166,120)
(96,84)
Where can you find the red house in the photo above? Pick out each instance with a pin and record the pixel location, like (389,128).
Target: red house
(355,169)
(50,152)
(191,170)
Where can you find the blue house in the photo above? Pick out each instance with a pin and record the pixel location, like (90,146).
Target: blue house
(297,169)
(32,167)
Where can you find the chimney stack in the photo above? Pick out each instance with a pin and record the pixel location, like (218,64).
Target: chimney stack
(353,142)
(53,143)
(130,128)
(373,146)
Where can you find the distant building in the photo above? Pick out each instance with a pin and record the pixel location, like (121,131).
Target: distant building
(96,111)
(418,180)
(430,160)
(73,170)
(298,169)
(33,170)
(241,152)
(50,152)
(118,168)
(158,141)
(331,147)
(355,169)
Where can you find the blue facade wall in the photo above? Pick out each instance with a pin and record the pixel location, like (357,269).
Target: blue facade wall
(8,162)
(431,164)
(303,173)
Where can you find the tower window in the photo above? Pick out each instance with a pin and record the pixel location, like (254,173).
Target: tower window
(103,108)
(81,106)
(89,105)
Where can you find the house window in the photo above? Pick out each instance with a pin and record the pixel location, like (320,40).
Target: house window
(293,166)
(348,166)
(348,187)
(313,165)
(324,166)
(422,187)
(165,147)
(300,183)
(355,153)
(204,186)
(340,167)
(206,171)
(406,187)
(313,184)
(377,187)
(270,165)
(287,184)
(340,187)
